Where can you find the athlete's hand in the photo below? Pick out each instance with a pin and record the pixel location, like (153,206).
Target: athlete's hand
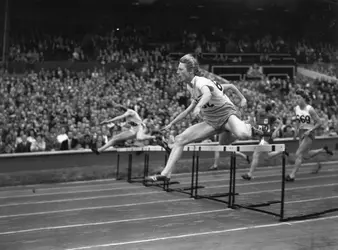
(195,112)
(104,122)
(243,103)
(307,133)
(166,128)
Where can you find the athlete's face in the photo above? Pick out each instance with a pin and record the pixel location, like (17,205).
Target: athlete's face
(300,100)
(183,73)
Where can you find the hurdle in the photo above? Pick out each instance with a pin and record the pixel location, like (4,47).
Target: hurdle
(194,176)
(232,182)
(194,187)
(165,185)
(141,179)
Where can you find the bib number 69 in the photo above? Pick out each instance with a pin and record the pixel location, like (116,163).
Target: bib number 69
(303,118)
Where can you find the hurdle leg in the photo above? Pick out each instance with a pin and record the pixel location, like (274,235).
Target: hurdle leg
(145,168)
(148,157)
(233,192)
(117,174)
(196,172)
(192,175)
(283,188)
(230,184)
(130,162)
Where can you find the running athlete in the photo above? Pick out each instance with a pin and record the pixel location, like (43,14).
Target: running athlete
(307,123)
(227,138)
(266,122)
(214,107)
(136,131)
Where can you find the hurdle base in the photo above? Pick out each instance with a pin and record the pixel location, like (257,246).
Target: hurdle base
(182,190)
(216,195)
(265,204)
(210,198)
(237,206)
(309,216)
(189,188)
(147,184)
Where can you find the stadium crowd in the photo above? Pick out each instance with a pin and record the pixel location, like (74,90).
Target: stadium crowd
(61,110)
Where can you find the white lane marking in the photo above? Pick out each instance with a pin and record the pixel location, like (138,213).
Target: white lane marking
(157,192)
(113,222)
(183,236)
(94,208)
(112,181)
(137,187)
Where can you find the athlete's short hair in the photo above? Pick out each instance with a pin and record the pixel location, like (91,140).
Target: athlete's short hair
(191,63)
(268,108)
(303,94)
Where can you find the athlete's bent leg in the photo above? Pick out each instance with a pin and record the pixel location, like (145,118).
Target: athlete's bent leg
(254,164)
(196,132)
(217,161)
(304,147)
(123,136)
(142,136)
(240,129)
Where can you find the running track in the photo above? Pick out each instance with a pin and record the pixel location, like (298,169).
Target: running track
(113,214)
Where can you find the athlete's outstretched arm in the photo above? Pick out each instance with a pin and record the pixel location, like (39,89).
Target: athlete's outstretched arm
(116,106)
(120,117)
(236,90)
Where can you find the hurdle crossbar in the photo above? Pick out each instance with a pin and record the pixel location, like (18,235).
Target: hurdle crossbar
(219,148)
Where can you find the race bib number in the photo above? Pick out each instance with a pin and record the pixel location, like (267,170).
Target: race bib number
(303,118)
(210,105)
(219,86)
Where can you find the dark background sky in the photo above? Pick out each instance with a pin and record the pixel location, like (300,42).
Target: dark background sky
(92,16)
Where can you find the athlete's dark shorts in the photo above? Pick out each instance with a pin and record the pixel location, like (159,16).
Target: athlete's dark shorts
(218,119)
(312,135)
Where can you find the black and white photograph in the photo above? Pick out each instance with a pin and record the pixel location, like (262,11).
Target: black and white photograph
(169,125)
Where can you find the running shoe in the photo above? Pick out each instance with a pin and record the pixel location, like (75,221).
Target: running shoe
(157,177)
(328,151)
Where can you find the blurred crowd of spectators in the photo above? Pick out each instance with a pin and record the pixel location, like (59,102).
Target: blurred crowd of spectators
(53,106)
(113,46)
(61,110)
(131,45)
(279,92)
